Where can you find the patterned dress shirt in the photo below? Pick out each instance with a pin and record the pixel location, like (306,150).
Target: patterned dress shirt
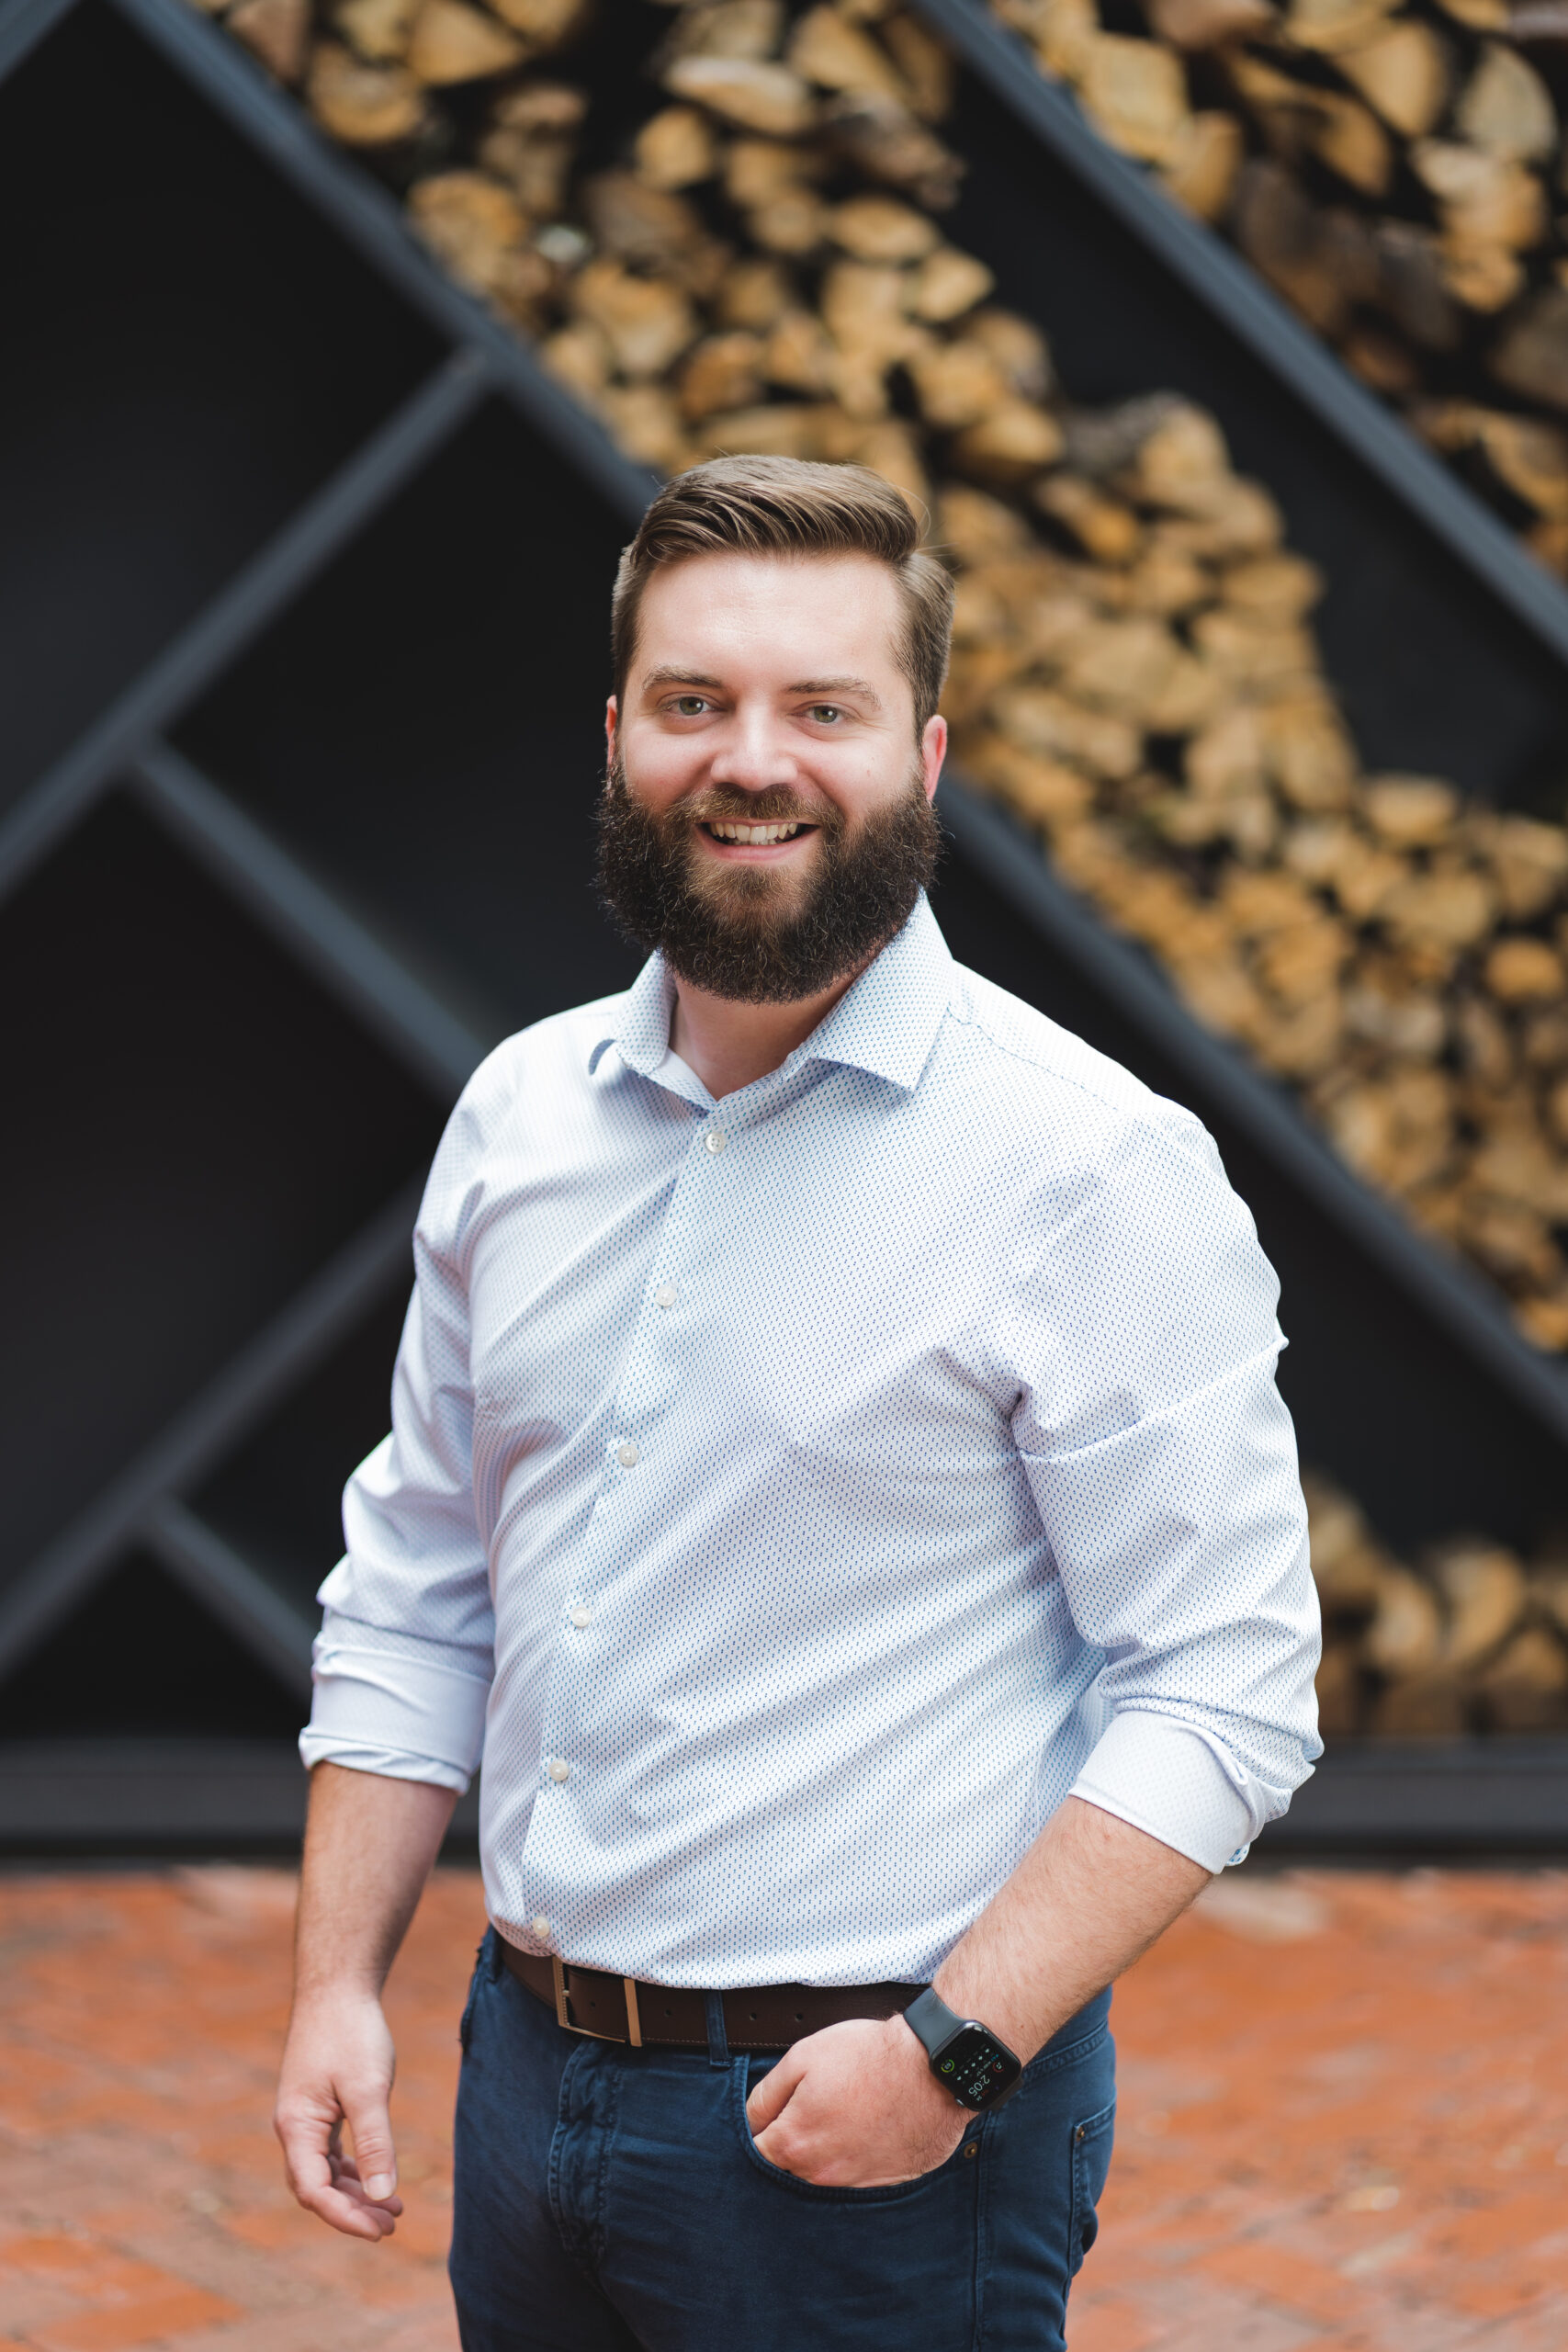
(792,1498)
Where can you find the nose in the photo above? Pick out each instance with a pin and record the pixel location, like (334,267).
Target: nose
(753,752)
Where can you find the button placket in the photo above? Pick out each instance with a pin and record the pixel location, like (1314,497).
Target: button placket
(640,1395)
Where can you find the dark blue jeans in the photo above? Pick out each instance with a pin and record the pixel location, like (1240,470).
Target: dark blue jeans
(610,2198)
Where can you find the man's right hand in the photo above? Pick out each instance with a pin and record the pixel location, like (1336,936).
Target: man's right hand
(337,2070)
(370,1845)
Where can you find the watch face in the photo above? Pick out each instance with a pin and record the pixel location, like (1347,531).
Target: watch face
(976,2066)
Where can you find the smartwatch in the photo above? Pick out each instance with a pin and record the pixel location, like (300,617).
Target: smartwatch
(965,2057)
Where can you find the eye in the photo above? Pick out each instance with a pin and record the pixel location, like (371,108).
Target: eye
(826,714)
(690,706)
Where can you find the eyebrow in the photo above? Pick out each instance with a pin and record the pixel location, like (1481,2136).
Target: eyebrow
(671,674)
(860,686)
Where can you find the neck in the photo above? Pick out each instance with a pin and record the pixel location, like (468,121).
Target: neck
(729,1046)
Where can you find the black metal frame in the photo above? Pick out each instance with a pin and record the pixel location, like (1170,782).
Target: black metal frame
(229,1406)
(126,746)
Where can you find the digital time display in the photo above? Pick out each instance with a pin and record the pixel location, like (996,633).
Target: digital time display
(975,2067)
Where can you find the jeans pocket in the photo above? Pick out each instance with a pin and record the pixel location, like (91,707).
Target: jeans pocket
(893,2193)
(1091,2163)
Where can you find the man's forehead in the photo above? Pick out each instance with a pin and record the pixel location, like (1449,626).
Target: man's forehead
(708,614)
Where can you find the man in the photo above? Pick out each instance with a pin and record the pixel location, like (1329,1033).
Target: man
(837,1481)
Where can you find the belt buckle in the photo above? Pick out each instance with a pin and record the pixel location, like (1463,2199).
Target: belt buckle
(563,2005)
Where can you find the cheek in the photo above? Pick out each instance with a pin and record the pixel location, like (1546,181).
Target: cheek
(659,768)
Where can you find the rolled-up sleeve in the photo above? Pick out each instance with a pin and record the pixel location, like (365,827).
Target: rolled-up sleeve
(1163,1463)
(406,1654)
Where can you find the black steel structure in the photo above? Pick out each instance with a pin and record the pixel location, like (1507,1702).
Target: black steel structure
(303,594)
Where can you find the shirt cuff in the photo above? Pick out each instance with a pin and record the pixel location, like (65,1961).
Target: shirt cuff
(370,1698)
(1176,1784)
(317,1747)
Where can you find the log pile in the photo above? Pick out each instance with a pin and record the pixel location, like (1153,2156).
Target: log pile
(1469,1639)
(1147,692)
(762,265)
(1393,169)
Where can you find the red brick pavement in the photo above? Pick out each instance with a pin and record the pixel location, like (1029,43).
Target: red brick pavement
(1343,2122)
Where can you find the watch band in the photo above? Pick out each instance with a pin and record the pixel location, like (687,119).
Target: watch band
(931,2020)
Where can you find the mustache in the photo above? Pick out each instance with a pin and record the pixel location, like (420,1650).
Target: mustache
(777,804)
(728,805)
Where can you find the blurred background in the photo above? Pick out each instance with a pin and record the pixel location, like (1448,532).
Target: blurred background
(345,345)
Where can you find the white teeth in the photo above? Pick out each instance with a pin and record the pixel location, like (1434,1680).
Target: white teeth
(756,833)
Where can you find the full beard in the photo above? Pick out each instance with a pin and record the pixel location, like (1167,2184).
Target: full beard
(762,935)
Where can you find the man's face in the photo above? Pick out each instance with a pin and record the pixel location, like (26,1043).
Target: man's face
(766,819)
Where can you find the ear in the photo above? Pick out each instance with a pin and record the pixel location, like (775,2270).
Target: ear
(933,750)
(612,727)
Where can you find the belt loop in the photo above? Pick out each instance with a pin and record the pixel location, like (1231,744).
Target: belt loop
(719,2041)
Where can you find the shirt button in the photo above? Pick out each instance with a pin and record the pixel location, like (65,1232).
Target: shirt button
(627,1455)
(559,1769)
(715,1140)
(580,1616)
(665,1294)
(539,1924)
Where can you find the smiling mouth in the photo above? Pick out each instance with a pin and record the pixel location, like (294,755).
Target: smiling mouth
(758,836)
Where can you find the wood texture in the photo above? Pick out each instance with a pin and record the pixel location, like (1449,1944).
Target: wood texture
(1466,1639)
(1390,167)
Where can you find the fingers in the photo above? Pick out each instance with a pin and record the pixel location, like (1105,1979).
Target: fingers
(325,2182)
(337,2070)
(370,2126)
(308,2124)
(769,2097)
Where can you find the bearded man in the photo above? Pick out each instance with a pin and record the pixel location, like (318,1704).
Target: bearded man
(837,1485)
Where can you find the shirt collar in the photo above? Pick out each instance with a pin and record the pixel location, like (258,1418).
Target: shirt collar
(640,1028)
(885,1023)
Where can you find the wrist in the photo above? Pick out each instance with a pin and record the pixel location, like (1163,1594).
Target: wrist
(968,1998)
(348,1988)
(909,2055)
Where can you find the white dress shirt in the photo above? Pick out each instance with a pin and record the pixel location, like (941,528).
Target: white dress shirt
(792,1498)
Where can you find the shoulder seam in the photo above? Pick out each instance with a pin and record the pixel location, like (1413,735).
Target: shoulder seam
(1137,1116)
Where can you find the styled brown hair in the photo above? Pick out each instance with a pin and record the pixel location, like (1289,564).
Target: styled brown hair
(759,505)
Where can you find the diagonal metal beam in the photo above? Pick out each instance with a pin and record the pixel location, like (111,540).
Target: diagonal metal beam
(214,1573)
(308,923)
(278,127)
(23,23)
(228,1406)
(1462,1303)
(241,611)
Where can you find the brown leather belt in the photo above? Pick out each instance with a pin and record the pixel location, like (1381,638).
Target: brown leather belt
(620,2008)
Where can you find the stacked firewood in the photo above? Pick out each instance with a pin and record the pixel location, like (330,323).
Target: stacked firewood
(1391,170)
(1148,693)
(762,266)
(1468,1640)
